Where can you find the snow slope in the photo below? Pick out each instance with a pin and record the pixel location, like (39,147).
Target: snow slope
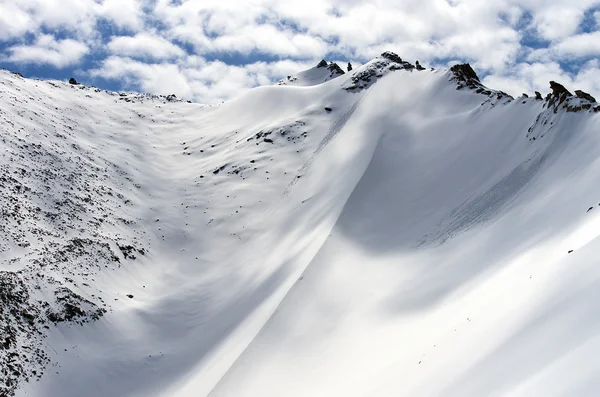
(319,74)
(411,239)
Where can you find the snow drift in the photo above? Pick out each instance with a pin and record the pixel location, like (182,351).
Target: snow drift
(389,231)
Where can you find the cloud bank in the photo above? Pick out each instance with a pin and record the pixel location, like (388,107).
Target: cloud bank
(212,50)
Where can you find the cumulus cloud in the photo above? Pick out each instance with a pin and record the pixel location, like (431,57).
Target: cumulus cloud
(48,50)
(144,45)
(578,46)
(125,14)
(148,39)
(14,21)
(194,77)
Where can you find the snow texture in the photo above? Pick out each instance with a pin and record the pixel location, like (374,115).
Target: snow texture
(391,231)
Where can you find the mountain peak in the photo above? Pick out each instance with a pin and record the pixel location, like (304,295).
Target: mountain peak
(319,74)
(322,64)
(464,72)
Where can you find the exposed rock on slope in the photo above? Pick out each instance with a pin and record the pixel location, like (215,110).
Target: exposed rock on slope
(465,76)
(365,76)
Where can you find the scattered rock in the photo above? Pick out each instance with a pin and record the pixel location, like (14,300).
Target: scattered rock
(569,251)
(327,109)
(130,296)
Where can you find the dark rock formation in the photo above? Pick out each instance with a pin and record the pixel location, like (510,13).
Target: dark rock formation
(418,66)
(335,69)
(392,56)
(525,95)
(73,81)
(376,69)
(538,96)
(322,64)
(559,89)
(464,72)
(349,67)
(584,95)
(559,94)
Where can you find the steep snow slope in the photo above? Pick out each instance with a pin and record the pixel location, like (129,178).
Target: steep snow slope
(407,241)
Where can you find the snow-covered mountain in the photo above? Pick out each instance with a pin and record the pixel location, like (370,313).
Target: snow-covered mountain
(390,231)
(314,76)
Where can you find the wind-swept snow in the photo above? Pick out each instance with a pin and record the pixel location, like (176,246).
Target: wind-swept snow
(404,238)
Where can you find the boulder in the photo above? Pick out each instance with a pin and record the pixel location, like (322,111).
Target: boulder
(538,96)
(418,66)
(349,67)
(73,81)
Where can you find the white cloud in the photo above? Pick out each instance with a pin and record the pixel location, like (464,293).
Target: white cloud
(144,45)
(14,21)
(194,77)
(487,34)
(581,45)
(527,78)
(47,50)
(126,14)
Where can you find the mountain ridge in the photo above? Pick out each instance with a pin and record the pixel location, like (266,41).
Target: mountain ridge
(188,235)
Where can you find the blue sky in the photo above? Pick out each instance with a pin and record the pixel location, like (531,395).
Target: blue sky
(210,51)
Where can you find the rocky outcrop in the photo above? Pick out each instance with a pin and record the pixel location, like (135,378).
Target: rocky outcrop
(377,68)
(465,73)
(73,81)
(538,96)
(335,69)
(465,76)
(559,89)
(418,66)
(322,64)
(349,67)
(558,96)
(584,95)
(392,56)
